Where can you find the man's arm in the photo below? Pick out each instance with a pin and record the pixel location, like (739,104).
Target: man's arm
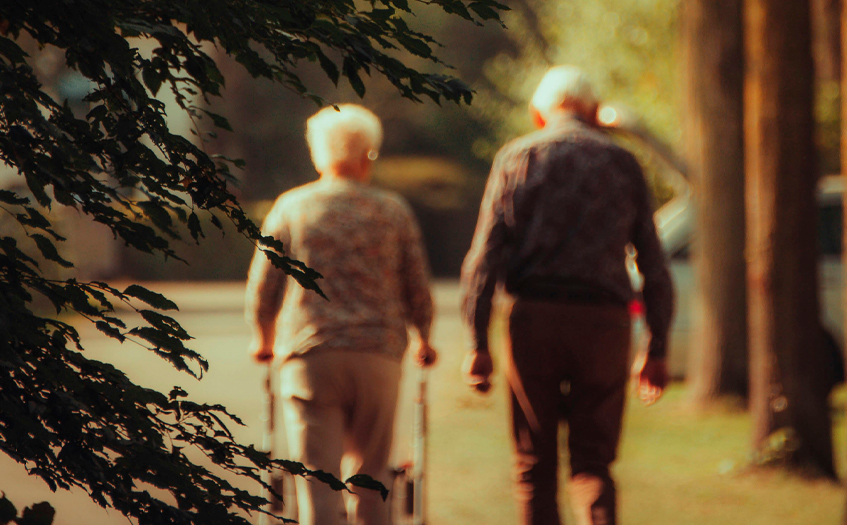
(482,266)
(658,287)
(265,290)
(650,370)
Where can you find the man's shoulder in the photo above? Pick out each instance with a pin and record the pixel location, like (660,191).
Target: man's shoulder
(570,135)
(519,144)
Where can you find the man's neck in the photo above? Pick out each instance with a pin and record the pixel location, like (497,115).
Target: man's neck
(564,116)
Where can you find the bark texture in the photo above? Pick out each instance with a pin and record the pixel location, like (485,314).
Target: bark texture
(787,357)
(826,39)
(714,51)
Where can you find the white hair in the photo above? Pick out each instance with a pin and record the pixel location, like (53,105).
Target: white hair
(346,134)
(562,86)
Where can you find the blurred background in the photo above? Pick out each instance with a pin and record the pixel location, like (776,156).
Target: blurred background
(435,156)
(679,465)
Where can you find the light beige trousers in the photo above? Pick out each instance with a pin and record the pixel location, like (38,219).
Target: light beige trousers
(339,409)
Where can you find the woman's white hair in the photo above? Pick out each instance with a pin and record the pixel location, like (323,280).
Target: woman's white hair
(563,86)
(338,136)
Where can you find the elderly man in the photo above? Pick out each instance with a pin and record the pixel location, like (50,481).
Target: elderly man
(561,207)
(341,356)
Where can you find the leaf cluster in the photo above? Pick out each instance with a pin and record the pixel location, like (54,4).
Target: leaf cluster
(77,422)
(628,48)
(38,514)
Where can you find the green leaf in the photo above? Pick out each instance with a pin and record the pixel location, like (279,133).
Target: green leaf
(415,45)
(219,120)
(165,323)
(402,4)
(116,438)
(155,210)
(10,197)
(33,218)
(36,186)
(12,51)
(48,250)
(114,321)
(39,514)
(351,71)
(329,67)
(152,79)
(8,512)
(110,330)
(64,197)
(177,392)
(325,477)
(367,482)
(194,226)
(486,11)
(216,222)
(156,300)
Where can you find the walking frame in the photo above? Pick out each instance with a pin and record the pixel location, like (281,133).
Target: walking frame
(277,480)
(408,503)
(408,493)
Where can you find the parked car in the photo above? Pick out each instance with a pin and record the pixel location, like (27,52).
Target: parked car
(675,223)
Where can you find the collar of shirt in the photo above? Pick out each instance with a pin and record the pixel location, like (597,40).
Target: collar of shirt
(564,119)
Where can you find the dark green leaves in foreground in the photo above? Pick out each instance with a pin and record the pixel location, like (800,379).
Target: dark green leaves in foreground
(39,514)
(112,158)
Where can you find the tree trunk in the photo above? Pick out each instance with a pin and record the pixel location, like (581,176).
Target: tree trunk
(844,147)
(826,39)
(788,392)
(714,48)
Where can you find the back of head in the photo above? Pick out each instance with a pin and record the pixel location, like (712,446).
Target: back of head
(563,87)
(342,136)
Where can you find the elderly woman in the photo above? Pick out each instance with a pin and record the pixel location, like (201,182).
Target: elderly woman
(341,357)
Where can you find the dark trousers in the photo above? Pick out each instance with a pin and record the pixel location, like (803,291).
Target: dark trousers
(569,362)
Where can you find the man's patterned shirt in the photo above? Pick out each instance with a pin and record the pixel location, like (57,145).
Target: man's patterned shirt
(367,245)
(560,207)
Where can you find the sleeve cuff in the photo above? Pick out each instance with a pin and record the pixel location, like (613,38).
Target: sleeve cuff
(657,348)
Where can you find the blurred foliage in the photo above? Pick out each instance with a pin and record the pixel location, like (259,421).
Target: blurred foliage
(444,194)
(204,260)
(828,131)
(629,49)
(442,191)
(114,158)
(436,182)
(38,514)
(270,121)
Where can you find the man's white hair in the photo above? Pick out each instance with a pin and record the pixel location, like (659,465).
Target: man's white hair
(562,86)
(337,136)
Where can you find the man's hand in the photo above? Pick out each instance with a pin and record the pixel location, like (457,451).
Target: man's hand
(477,370)
(424,355)
(262,353)
(650,377)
